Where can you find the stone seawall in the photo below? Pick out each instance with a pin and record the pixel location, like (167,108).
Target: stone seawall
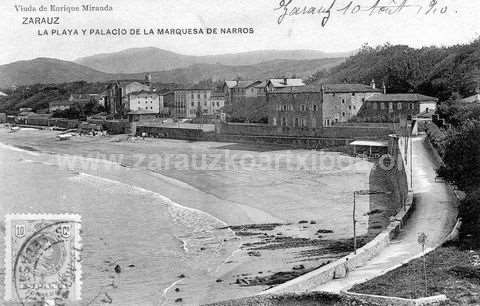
(354,131)
(314,279)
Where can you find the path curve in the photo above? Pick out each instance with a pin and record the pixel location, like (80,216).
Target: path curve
(435,215)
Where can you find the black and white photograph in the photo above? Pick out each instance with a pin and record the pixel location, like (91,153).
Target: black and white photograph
(239,152)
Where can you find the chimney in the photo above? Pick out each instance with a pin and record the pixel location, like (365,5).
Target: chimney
(384,88)
(148,79)
(373,84)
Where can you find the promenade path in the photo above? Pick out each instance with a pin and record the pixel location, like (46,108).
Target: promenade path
(435,215)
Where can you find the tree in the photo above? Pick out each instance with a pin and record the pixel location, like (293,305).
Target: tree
(462,158)
(469,212)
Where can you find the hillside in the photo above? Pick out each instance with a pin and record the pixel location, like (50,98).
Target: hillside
(153,59)
(271,69)
(52,71)
(46,70)
(433,71)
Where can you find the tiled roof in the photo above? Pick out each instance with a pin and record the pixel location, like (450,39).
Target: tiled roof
(280,83)
(472,99)
(342,88)
(246,84)
(261,85)
(409,97)
(143,92)
(301,89)
(231,84)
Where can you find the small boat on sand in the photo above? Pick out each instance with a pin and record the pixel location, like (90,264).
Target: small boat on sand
(66,136)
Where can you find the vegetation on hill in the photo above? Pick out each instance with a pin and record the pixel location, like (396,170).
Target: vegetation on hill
(38,96)
(433,71)
(459,151)
(52,71)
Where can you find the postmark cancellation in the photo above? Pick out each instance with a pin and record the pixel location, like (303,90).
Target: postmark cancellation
(42,258)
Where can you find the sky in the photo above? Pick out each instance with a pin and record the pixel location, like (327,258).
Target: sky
(459,24)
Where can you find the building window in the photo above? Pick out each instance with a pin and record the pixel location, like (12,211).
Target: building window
(274,121)
(296,122)
(353,94)
(302,107)
(314,107)
(343,114)
(399,106)
(350,107)
(382,105)
(343,101)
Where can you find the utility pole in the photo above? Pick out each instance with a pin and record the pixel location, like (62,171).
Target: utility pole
(354,225)
(361,192)
(411,162)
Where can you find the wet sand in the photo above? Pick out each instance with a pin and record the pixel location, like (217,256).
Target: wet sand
(286,222)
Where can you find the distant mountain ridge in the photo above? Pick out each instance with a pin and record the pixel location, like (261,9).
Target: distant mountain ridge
(137,60)
(49,70)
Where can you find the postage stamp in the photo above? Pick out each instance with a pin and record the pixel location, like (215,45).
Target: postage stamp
(42,258)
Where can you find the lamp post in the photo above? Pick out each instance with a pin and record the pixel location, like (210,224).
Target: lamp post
(355,193)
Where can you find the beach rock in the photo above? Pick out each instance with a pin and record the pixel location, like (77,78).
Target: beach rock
(181,276)
(131,266)
(302,222)
(178,300)
(254,253)
(298,267)
(313,222)
(219,280)
(177,289)
(118,269)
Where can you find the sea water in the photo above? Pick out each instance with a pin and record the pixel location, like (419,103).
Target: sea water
(159,244)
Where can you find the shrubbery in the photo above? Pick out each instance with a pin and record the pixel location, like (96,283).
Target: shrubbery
(462,168)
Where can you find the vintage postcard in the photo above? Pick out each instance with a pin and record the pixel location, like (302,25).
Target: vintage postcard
(239,152)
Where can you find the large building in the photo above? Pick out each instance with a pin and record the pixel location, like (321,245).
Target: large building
(227,91)
(191,103)
(342,102)
(116,95)
(273,85)
(312,107)
(217,103)
(397,105)
(297,108)
(246,100)
(145,100)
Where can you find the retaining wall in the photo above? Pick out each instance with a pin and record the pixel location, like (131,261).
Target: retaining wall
(314,279)
(357,131)
(176,133)
(388,300)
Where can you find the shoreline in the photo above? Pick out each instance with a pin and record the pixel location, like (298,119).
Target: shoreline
(298,236)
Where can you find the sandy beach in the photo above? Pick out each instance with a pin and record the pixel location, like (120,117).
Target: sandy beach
(213,221)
